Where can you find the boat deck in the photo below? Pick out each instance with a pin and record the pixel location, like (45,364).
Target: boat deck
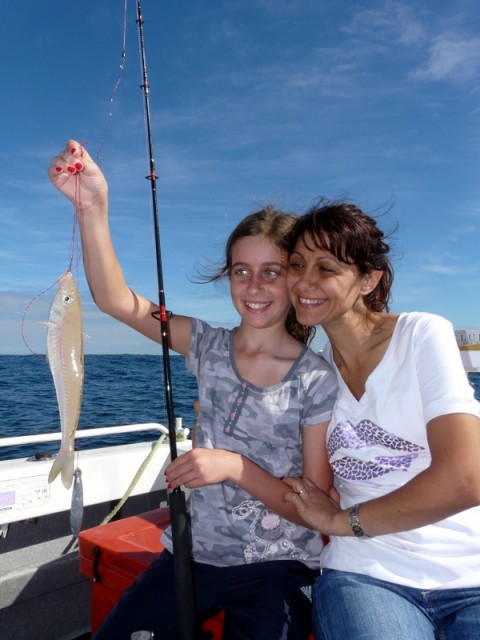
(43,595)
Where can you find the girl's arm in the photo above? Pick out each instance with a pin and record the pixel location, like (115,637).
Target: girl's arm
(200,467)
(78,177)
(315,458)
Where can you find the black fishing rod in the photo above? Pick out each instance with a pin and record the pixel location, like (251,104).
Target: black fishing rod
(182,544)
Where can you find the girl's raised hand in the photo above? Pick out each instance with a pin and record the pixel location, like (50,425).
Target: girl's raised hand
(78,177)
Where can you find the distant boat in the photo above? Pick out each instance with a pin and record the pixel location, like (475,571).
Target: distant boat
(468,341)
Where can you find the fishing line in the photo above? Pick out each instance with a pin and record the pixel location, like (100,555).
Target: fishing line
(120,76)
(76,511)
(74,255)
(27,308)
(75,251)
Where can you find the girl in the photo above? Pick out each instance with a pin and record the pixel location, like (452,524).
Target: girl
(265,402)
(403,559)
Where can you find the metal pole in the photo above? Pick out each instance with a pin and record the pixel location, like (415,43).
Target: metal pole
(182,545)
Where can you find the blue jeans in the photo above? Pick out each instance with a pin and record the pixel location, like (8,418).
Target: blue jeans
(352,605)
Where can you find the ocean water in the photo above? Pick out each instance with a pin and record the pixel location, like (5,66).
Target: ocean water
(118,389)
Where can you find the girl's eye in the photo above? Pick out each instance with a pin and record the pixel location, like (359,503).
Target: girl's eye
(239,271)
(271,274)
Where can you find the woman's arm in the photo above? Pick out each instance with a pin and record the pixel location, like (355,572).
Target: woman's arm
(449,485)
(78,177)
(200,467)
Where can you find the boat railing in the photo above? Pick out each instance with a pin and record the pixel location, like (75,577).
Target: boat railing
(107,471)
(93,432)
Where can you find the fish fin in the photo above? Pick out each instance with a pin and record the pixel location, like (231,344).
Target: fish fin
(47,324)
(62,464)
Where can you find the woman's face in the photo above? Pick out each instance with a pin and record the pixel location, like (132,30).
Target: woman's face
(322,288)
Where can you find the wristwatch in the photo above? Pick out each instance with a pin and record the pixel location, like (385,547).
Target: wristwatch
(354,521)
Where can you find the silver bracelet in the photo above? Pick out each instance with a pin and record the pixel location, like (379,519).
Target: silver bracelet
(354,521)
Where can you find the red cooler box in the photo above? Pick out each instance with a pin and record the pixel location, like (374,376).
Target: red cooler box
(114,554)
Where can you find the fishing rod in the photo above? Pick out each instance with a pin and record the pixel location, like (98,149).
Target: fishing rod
(182,544)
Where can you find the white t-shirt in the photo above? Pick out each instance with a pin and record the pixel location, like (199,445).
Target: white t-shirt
(379,443)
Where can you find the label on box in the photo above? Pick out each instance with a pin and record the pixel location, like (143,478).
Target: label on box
(24,493)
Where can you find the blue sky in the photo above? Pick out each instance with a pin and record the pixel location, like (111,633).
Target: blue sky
(252,101)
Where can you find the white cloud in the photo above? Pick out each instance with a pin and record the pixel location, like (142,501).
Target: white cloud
(452,59)
(394,20)
(445,267)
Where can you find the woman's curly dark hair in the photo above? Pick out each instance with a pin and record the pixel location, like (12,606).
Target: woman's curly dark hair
(352,237)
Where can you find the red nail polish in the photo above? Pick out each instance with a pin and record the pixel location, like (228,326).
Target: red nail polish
(73,149)
(71,170)
(78,166)
(169,485)
(58,169)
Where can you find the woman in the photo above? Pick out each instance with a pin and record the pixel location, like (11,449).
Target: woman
(403,559)
(265,403)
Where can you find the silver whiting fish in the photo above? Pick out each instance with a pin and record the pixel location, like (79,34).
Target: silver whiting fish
(65,357)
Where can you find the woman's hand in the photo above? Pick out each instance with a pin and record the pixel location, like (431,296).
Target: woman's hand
(78,177)
(200,467)
(318,510)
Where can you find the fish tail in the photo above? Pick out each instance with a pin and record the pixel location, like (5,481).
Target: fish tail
(63,464)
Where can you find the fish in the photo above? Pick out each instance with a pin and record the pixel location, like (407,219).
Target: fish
(65,358)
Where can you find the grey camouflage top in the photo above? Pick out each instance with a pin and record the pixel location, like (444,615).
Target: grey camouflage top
(229,526)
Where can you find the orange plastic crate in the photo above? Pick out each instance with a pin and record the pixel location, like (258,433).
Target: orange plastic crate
(114,554)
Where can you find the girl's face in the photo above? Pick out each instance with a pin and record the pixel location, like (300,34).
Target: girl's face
(258,282)
(322,288)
